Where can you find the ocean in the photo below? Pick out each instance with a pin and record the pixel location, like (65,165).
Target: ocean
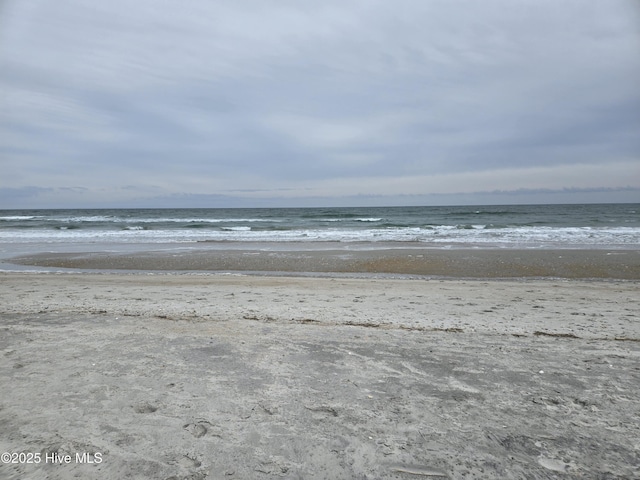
(589,226)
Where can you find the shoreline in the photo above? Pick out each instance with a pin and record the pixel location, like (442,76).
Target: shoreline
(414,261)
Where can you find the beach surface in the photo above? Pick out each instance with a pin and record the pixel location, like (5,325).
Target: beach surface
(356,258)
(203,376)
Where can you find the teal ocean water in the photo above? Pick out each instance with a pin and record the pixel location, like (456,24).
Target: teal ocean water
(505,226)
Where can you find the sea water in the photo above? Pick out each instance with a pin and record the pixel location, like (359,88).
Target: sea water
(505,226)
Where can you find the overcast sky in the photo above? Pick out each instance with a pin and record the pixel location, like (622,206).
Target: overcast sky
(333,102)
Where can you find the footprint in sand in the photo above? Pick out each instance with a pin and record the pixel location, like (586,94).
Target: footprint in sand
(199,429)
(144,407)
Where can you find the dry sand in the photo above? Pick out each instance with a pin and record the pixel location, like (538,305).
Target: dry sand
(189,376)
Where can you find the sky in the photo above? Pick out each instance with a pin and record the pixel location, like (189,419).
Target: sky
(304,103)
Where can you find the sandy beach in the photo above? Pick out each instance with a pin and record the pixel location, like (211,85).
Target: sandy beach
(194,376)
(319,240)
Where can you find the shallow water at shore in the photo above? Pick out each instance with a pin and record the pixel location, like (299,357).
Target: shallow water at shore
(417,261)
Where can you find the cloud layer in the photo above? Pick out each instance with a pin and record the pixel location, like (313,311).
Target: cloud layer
(254,102)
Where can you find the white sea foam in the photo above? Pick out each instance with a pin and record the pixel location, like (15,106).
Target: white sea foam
(198,220)
(589,226)
(237,229)
(434,235)
(18,217)
(88,218)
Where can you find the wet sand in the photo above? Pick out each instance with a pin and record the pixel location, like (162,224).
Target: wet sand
(194,376)
(460,263)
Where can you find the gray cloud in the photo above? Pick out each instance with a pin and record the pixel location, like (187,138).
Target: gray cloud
(318,100)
